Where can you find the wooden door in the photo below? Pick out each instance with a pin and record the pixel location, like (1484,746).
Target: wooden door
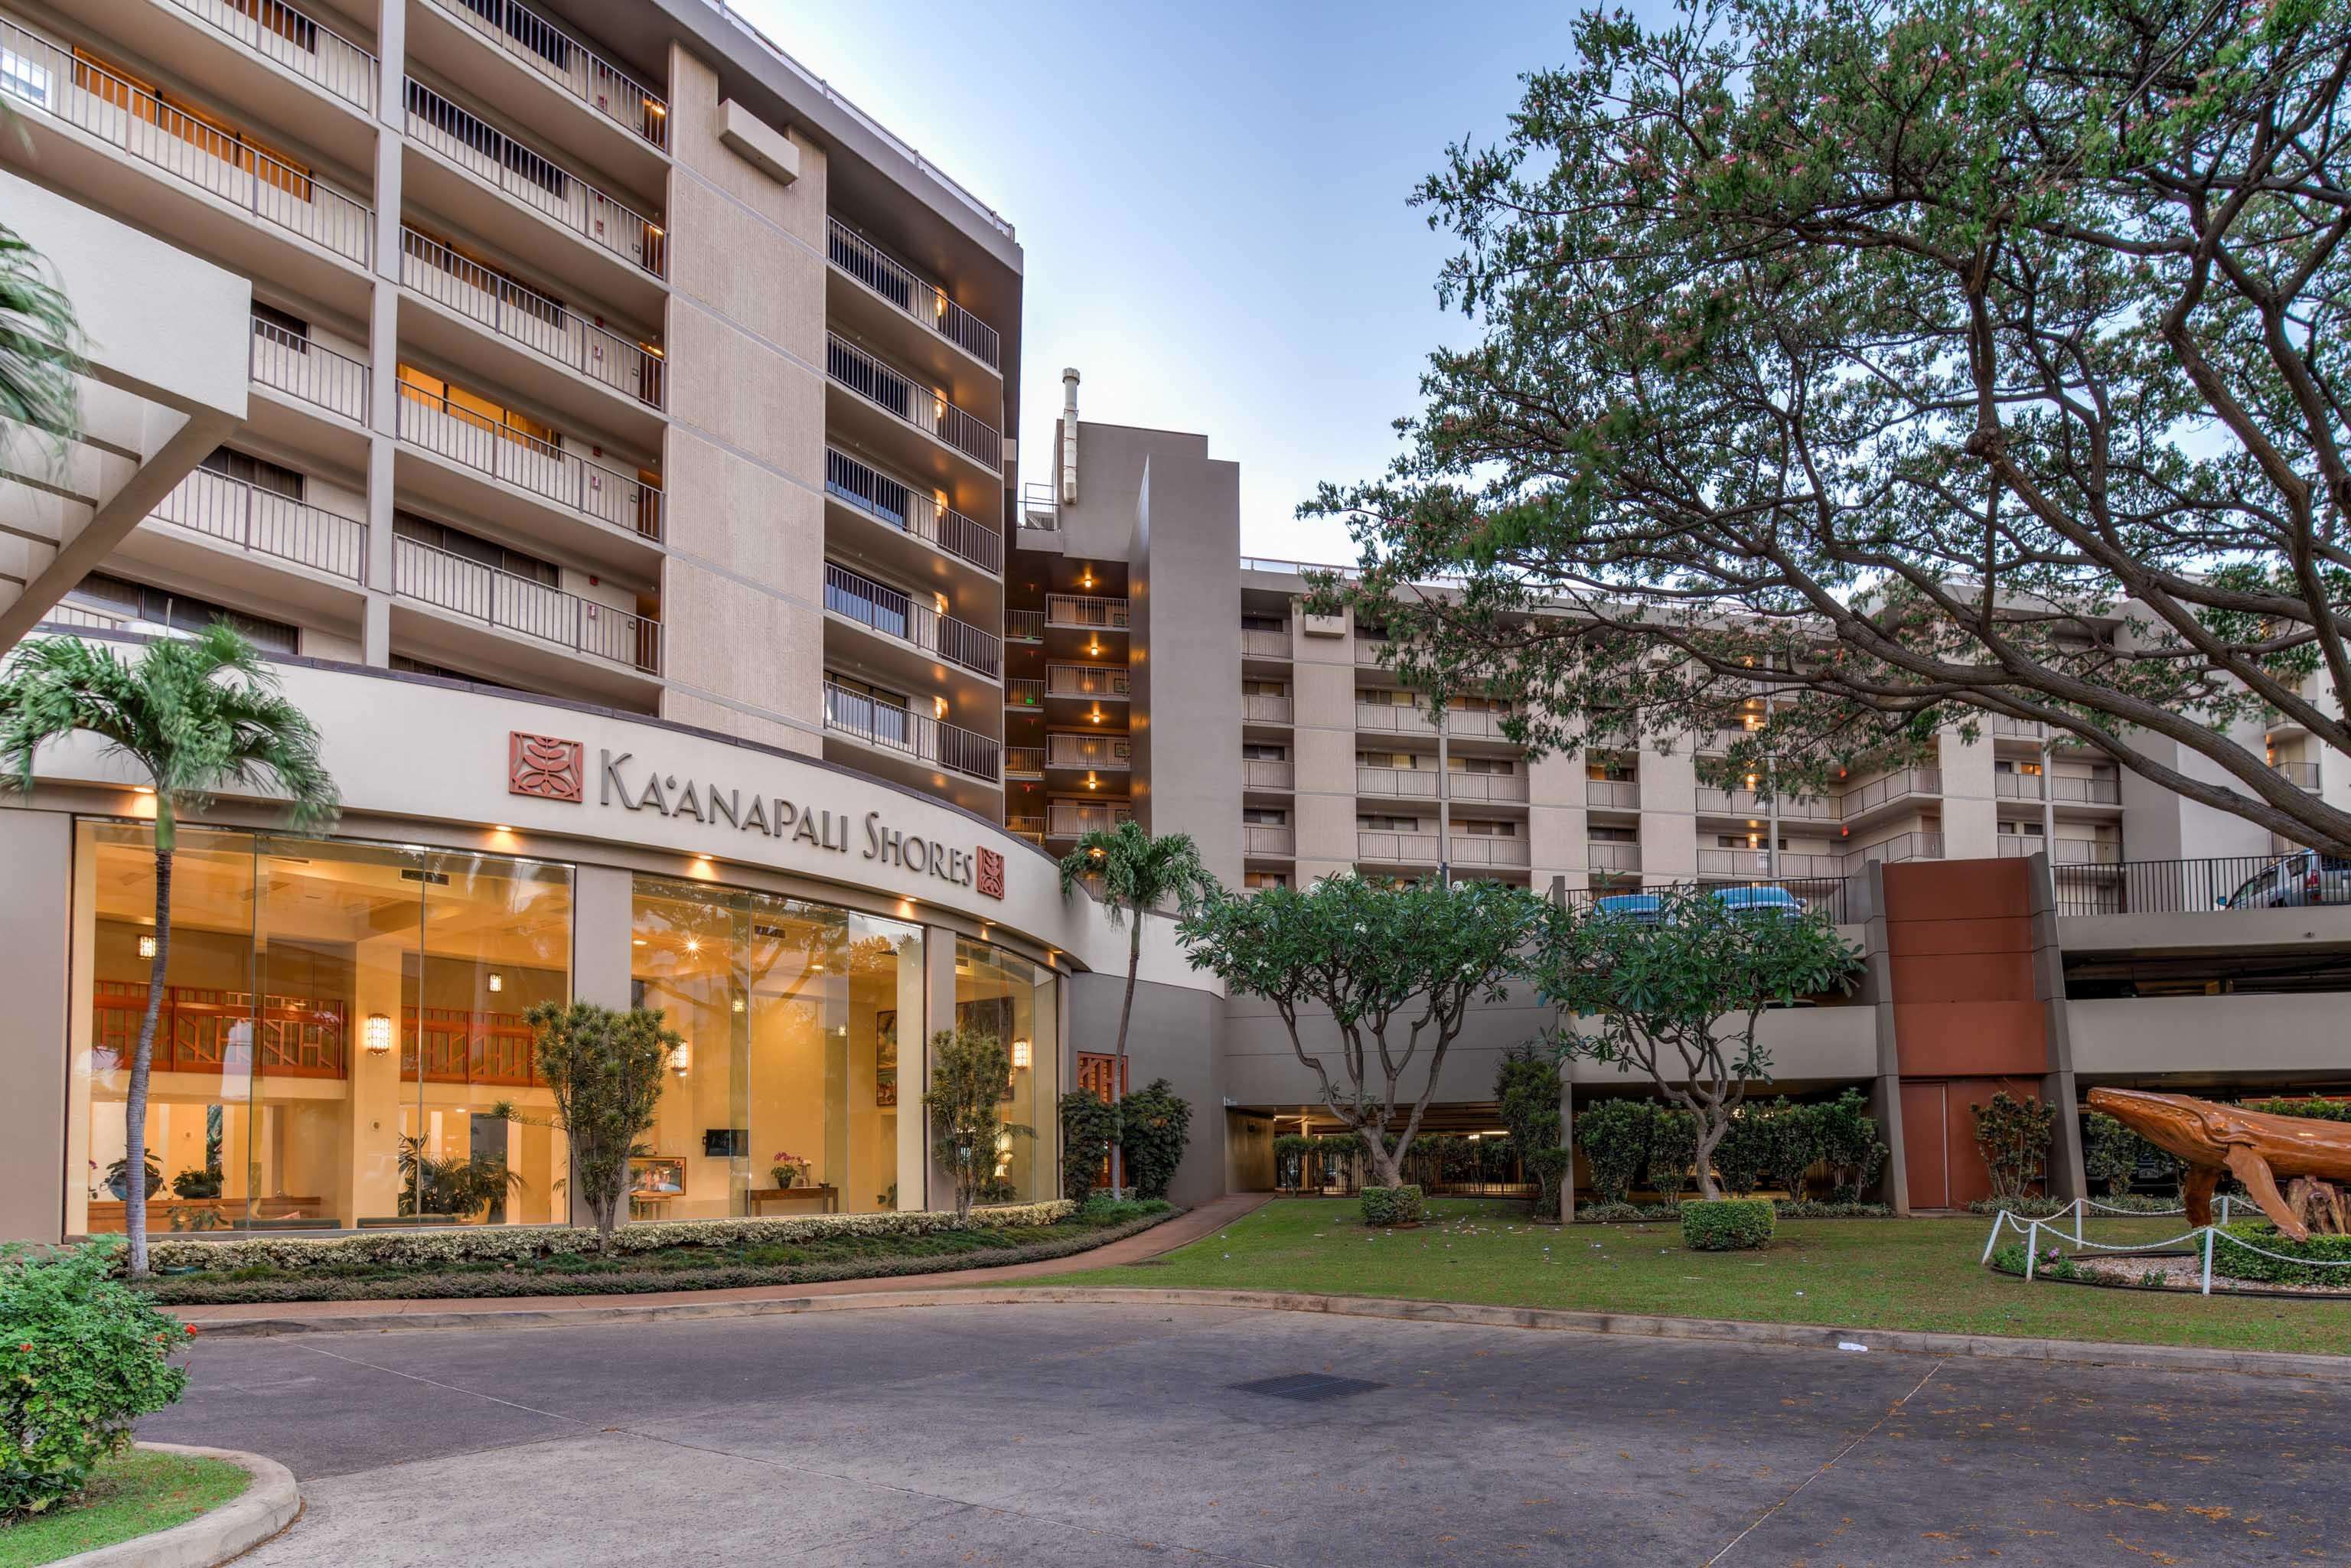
(1926,1144)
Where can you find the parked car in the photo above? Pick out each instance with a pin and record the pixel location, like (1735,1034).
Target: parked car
(1648,908)
(2297,881)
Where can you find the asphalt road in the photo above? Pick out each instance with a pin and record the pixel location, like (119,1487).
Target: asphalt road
(1037,1434)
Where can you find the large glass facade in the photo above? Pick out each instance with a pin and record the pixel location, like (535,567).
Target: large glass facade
(790,1094)
(338,1024)
(1005,995)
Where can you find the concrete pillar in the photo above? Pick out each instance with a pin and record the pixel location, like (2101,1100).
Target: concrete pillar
(602,914)
(1567,1140)
(38,849)
(915,1060)
(2068,1174)
(383,329)
(1876,991)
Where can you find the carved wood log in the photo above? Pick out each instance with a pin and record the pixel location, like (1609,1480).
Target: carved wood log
(2319,1205)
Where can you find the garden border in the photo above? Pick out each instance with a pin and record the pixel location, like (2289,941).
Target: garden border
(262,1511)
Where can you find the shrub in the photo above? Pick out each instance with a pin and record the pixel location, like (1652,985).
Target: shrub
(1158,1125)
(606,1071)
(82,1356)
(1792,1145)
(1526,1092)
(1089,1125)
(1787,1209)
(1848,1142)
(2315,1107)
(2243,1263)
(1726,1224)
(1626,1213)
(2014,1137)
(2112,1154)
(1673,1145)
(1289,1152)
(1392,1204)
(970,1068)
(1615,1137)
(1745,1148)
(2053,1264)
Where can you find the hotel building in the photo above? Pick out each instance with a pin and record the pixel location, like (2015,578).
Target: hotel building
(606,429)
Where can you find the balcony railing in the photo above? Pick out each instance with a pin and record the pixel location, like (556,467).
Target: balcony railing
(2301,775)
(1029,827)
(1024,762)
(2061,851)
(463,435)
(1024,692)
(1893,786)
(1396,783)
(1391,717)
(1369,651)
(2197,886)
(910,510)
(297,40)
(895,614)
(267,523)
(2069,789)
(1259,707)
(1265,838)
(1073,818)
(1257,642)
(1105,753)
(1903,846)
(1612,856)
(914,735)
(1086,681)
(520,604)
(517,30)
(1754,862)
(523,316)
(1087,614)
(899,395)
(2017,786)
(1263,774)
(1024,625)
(2019,728)
(1386,848)
(537,183)
(40,76)
(1498,787)
(1612,794)
(293,364)
(1746,803)
(1488,849)
(926,302)
(1474,724)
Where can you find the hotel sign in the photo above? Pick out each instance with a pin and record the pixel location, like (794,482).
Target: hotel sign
(546,769)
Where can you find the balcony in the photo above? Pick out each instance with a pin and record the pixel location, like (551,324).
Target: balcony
(1024,762)
(915,513)
(2061,851)
(1747,805)
(1488,849)
(525,607)
(1024,625)
(1370,652)
(1101,681)
(1257,642)
(542,469)
(2069,789)
(524,175)
(886,302)
(525,37)
(916,736)
(1906,784)
(1260,774)
(1384,848)
(876,385)
(2301,775)
(1024,693)
(309,373)
(893,614)
(1612,794)
(522,316)
(2003,727)
(125,117)
(1756,863)
(266,523)
(1612,856)
(1504,789)
(1085,613)
(1075,819)
(1921,846)
(296,40)
(1267,841)
(1089,753)
(1396,783)
(1030,828)
(1391,717)
(1262,707)
(2016,786)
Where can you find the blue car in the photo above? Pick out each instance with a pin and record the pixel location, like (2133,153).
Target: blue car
(1648,908)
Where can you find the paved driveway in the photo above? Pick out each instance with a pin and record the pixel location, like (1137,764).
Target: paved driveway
(1088,1435)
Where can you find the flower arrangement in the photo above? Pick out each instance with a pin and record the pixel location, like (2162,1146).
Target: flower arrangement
(789,1170)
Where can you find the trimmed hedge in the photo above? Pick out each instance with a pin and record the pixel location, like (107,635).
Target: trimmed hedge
(1726,1224)
(513,1244)
(2242,1263)
(1392,1204)
(2043,1207)
(1782,1208)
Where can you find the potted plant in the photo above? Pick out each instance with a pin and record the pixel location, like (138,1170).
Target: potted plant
(789,1170)
(117,1177)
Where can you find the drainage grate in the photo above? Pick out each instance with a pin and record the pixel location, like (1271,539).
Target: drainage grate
(1307,1386)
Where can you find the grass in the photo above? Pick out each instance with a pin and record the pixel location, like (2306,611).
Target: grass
(136,1494)
(1845,1273)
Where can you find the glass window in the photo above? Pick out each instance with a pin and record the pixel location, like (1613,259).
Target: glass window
(1001,994)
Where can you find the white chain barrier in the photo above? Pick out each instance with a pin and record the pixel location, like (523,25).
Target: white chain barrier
(2204,1237)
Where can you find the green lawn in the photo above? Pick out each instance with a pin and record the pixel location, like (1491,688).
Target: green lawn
(1846,1273)
(135,1495)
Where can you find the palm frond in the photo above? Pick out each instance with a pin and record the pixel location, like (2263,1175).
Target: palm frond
(40,346)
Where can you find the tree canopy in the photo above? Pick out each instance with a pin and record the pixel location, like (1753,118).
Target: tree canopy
(1906,362)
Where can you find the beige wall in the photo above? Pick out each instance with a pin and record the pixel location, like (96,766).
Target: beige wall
(37,847)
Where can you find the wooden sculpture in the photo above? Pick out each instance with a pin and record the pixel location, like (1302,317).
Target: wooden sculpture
(2254,1146)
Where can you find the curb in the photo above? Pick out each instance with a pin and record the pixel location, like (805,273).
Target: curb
(236,1527)
(1795,1336)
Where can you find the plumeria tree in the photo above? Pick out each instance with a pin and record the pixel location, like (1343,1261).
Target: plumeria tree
(1915,366)
(192,716)
(1371,981)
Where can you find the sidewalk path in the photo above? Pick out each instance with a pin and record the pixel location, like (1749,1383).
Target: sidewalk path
(1167,1237)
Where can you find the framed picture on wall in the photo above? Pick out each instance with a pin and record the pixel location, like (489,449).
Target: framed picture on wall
(656,1175)
(885,1058)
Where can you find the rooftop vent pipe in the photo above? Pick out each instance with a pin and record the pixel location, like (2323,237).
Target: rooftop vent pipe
(1070,437)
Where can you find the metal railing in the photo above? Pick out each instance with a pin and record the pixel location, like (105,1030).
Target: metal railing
(524,316)
(297,40)
(1107,753)
(2017,786)
(2019,728)
(1263,774)
(1902,847)
(515,603)
(1893,786)
(1086,613)
(1040,506)
(1474,724)
(1024,625)
(1029,827)
(1368,651)
(909,620)
(910,734)
(899,395)
(1024,762)
(524,34)
(1463,785)
(463,435)
(43,77)
(1023,691)
(1265,838)
(2199,886)
(83,617)
(535,180)
(901,505)
(2061,851)
(2067,788)
(1387,848)
(1086,681)
(1259,644)
(1488,849)
(2301,775)
(291,363)
(1610,856)
(1071,818)
(1756,863)
(1616,794)
(1392,716)
(1397,783)
(266,523)
(926,302)
(1831,895)
(1746,803)
(1257,708)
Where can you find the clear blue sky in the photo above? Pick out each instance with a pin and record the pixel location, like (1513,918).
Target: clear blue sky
(1211,199)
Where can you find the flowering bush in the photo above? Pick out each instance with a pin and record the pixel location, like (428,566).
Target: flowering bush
(82,1356)
(429,1249)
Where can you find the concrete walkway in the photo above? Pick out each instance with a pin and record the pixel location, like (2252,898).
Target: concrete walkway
(1205,1220)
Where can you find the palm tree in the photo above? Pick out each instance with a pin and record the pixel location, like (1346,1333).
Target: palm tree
(195,715)
(1131,872)
(40,339)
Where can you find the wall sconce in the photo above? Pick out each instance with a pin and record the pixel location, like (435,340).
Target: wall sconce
(738,1004)
(147,945)
(938,707)
(497,982)
(378,1034)
(681,1058)
(1023,1054)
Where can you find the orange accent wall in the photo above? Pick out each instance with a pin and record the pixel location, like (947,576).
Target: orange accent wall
(1958,942)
